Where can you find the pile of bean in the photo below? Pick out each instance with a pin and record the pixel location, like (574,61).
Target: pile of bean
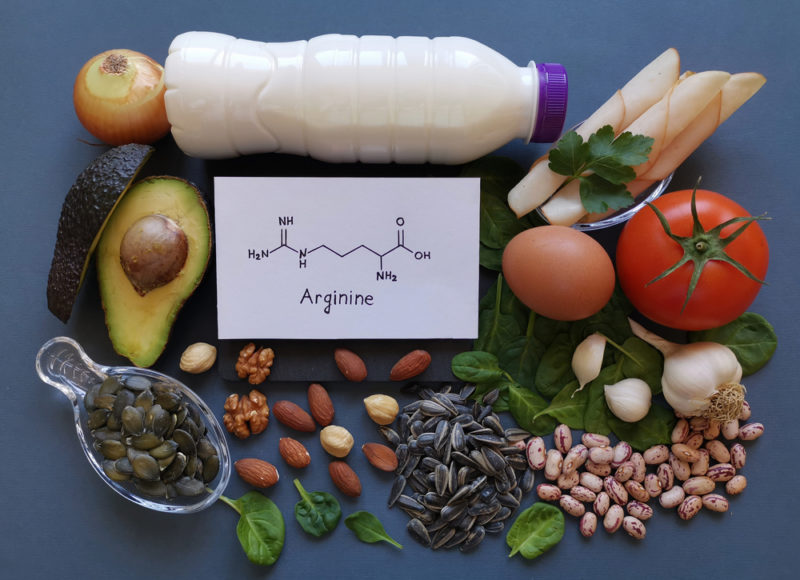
(593,479)
(460,475)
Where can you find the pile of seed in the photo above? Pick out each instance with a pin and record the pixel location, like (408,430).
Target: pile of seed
(460,475)
(147,433)
(593,479)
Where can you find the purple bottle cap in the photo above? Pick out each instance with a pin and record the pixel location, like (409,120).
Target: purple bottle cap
(552,109)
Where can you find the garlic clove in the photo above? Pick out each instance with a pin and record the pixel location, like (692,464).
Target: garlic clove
(629,399)
(587,360)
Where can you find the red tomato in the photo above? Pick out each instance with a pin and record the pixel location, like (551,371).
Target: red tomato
(722,292)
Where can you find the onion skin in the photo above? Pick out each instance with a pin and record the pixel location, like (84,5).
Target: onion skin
(119,98)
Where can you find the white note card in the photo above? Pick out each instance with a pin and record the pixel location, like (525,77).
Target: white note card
(347,258)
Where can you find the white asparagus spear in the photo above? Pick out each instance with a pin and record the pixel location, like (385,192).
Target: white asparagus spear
(736,92)
(647,87)
(664,121)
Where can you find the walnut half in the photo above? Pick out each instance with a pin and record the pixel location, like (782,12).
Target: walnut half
(254,364)
(246,415)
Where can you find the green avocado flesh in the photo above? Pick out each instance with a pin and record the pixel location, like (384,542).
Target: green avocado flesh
(139,320)
(86,209)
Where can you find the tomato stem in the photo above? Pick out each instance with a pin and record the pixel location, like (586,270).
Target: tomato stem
(703,246)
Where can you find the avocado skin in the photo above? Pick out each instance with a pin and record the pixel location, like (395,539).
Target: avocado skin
(139,326)
(86,208)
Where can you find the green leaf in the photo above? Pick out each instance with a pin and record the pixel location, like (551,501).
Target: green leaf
(498,224)
(524,405)
(568,406)
(536,530)
(501,318)
(521,356)
(477,366)
(630,149)
(555,366)
(654,429)
(599,195)
(317,512)
(261,529)
(490,258)
(751,338)
(596,414)
(642,361)
(369,529)
(626,150)
(570,155)
(604,160)
(603,165)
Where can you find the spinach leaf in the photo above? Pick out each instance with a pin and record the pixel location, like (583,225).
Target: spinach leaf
(368,528)
(501,318)
(751,338)
(261,528)
(568,406)
(655,428)
(317,512)
(611,321)
(524,406)
(520,358)
(536,530)
(490,258)
(498,224)
(477,366)
(641,361)
(555,366)
(596,413)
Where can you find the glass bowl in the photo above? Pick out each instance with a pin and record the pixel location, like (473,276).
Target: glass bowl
(62,363)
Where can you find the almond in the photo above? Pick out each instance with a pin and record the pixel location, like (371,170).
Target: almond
(294,453)
(293,416)
(350,365)
(257,472)
(411,365)
(320,404)
(344,478)
(380,456)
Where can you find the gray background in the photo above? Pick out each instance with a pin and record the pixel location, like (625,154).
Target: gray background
(57,519)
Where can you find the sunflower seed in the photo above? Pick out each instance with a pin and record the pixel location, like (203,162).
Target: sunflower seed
(417,531)
(398,486)
(474,538)
(441,537)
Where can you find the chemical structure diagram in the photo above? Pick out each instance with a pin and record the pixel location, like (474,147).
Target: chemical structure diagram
(285,223)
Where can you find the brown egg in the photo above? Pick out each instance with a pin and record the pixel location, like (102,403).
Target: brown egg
(559,272)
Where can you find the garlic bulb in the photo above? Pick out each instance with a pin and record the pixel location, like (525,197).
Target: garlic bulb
(700,378)
(629,399)
(587,360)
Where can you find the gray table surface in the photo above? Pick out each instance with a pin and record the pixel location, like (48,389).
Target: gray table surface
(57,519)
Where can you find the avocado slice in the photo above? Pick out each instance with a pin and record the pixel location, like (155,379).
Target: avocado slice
(84,214)
(152,255)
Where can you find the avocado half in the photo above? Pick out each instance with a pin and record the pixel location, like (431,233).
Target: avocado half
(87,206)
(140,316)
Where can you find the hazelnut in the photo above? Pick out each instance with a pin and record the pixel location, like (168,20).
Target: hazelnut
(381,408)
(198,358)
(336,440)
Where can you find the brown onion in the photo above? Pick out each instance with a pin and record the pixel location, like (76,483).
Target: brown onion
(119,97)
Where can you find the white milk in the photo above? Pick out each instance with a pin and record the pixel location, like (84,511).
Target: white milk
(374,99)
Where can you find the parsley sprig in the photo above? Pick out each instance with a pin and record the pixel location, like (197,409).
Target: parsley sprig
(603,165)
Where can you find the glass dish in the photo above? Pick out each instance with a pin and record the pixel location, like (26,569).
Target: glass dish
(62,363)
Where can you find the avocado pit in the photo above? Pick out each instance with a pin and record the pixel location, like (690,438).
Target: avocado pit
(152,252)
